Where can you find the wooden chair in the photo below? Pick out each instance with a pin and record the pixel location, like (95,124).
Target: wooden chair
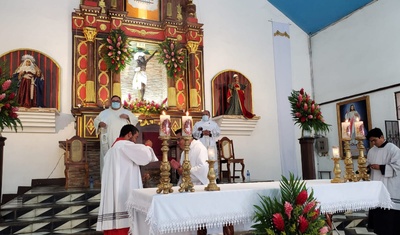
(76,164)
(226,155)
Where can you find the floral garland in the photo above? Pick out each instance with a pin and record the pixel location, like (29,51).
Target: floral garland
(116,51)
(144,107)
(173,57)
(296,213)
(8,100)
(306,113)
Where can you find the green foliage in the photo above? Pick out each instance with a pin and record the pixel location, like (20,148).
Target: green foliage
(306,113)
(173,56)
(116,52)
(8,100)
(295,213)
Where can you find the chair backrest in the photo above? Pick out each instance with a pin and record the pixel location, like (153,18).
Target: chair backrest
(75,150)
(225,146)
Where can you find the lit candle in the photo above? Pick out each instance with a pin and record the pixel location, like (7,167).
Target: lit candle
(335,151)
(346,130)
(211,153)
(165,124)
(359,126)
(187,125)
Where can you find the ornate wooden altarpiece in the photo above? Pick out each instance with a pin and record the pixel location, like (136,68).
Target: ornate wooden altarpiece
(93,85)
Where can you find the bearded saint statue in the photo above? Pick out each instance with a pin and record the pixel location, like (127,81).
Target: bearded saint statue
(31,83)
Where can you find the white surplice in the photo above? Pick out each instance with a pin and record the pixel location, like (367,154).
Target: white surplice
(121,174)
(198,157)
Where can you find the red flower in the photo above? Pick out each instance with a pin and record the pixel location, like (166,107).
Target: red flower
(303,224)
(277,219)
(11,96)
(302,91)
(308,207)
(302,197)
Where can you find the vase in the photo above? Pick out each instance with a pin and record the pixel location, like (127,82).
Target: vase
(306,133)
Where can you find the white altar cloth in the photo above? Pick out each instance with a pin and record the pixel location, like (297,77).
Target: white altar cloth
(153,213)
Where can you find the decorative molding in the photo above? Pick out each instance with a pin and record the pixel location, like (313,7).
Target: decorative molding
(236,125)
(36,120)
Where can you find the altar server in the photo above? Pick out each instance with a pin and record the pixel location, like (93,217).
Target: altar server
(384,164)
(121,174)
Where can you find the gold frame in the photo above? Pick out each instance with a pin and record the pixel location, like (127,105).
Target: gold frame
(363,108)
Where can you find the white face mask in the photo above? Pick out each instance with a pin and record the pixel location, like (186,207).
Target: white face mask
(205,118)
(116,105)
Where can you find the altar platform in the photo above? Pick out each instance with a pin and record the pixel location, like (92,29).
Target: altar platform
(174,213)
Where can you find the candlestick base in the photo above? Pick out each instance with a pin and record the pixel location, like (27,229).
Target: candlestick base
(362,162)
(186,184)
(165,186)
(337,171)
(349,174)
(212,186)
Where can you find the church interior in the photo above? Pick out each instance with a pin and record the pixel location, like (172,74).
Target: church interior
(339,60)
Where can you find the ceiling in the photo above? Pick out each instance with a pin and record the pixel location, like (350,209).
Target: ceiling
(314,15)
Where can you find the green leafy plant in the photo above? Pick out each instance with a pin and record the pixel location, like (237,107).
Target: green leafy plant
(173,56)
(306,112)
(144,107)
(295,213)
(116,52)
(8,100)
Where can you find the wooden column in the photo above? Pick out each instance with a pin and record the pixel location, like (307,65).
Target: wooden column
(2,140)
(307,157)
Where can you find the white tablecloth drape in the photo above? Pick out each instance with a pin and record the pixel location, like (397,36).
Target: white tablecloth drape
(153,213)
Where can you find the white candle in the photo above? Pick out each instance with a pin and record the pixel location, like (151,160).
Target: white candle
(335,152)
(187,125)
(346,130)
(165,124)
(359,126)
(211,153)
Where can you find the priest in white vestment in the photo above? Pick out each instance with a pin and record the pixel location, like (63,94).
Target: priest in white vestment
(121,174)
(109,123)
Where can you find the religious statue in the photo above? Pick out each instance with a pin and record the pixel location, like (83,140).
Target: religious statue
(139,81)
(30,83)
(235,99)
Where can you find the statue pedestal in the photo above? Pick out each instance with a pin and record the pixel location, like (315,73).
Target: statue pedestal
(307,157)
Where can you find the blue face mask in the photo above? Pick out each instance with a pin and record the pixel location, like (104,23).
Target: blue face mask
(116,105)
(205,118)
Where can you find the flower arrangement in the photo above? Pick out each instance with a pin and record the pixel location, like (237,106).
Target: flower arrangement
(8,100)
(296,213)
(116,52)
(173,57)
(145,107)
(306,113)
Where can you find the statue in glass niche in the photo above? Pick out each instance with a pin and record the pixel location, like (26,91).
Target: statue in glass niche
(139,81)
(235,99)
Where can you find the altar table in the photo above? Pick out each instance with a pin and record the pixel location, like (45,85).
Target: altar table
(153,213)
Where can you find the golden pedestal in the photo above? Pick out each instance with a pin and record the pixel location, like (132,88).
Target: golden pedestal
(212,186)
(349,174)
(337,171)
(362,161)
(186,184)
(165,186)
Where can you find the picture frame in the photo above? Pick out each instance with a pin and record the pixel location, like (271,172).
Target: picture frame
(397,99)
(392,132)
(361,109)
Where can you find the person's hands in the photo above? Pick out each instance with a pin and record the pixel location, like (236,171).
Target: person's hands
(102,124)
(374,166)
(176,165)
(206,132)
(148,143)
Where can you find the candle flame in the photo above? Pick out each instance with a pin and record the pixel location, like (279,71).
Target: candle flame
(187,113)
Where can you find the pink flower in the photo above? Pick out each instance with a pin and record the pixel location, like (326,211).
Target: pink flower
(300,98)
(303,224)
(6,85)
(308,207)
(324,230)
(2,96)
(277,219)
(288,209)
(310,116)
(109,40)
(305,107)
(301,198)
(110,47)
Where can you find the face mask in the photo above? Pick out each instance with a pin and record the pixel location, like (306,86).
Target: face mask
(115,105)
(205,118)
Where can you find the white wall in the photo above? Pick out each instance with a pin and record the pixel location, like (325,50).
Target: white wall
(359,54)
(237,35)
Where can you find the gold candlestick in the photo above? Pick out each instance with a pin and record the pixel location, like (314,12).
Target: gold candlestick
(337,171)
(349,174)
(212,186)
(165,186)
(186,184)
(362,161)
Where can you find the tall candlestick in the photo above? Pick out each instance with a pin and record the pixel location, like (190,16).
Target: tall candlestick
(187,125)
(346,130)
(165,125)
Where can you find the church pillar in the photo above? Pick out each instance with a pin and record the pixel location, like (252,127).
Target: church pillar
(90,34)
(193,76)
